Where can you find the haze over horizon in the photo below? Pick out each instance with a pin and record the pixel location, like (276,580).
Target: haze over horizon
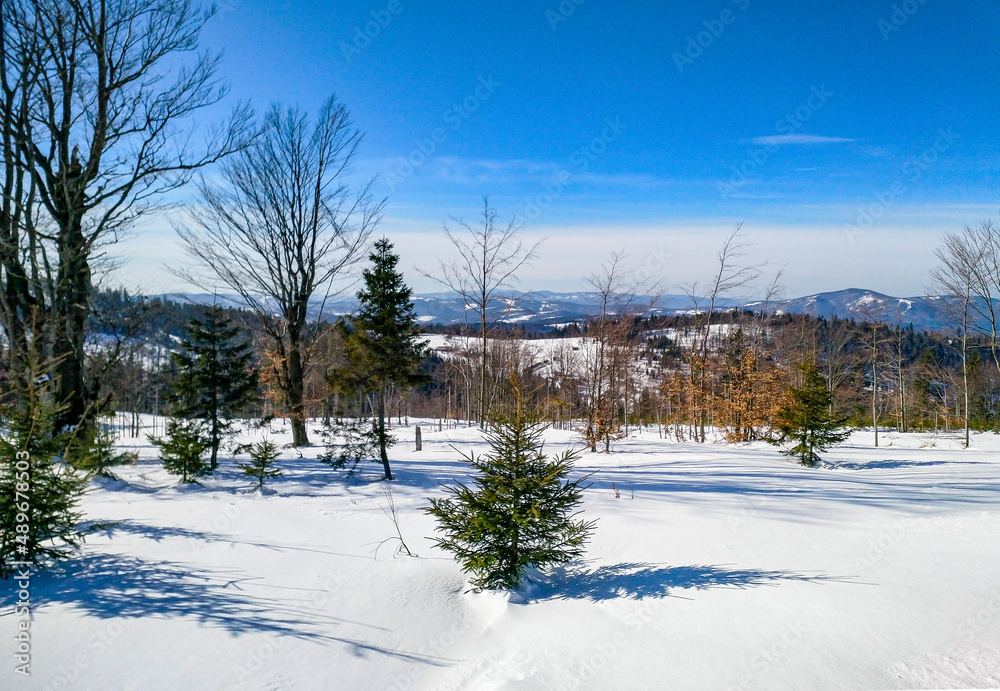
(846,139)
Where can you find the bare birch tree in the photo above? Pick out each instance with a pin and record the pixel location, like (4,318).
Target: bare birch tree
(961,277)
(731,274)
(609,351)
(490,255)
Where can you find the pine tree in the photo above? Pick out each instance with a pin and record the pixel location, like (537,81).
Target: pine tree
(183,448)
(261,468)
(520,512)
(349,441)
(39,494)
(383,346)
(92,449)
(808,419)
(215,379)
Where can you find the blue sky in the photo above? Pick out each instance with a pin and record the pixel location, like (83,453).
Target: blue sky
(847,137)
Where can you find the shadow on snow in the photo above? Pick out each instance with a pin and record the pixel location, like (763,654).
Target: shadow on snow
(109,586)
(642,580)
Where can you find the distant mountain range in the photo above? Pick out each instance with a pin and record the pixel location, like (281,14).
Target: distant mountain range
(923,312)
(548,309)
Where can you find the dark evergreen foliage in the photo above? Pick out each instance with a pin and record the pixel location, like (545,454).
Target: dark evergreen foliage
(520,511)
(382,343)
(183,448)
(39,494)
(92,450)
(351,441)
(261,467)
(215,378)
(808,420)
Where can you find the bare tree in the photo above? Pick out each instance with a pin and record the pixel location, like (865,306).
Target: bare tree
(610,351)
(283,227)
(976,251)
(731,274)
(97,128)
(961,277)
(874,339)
(489,258)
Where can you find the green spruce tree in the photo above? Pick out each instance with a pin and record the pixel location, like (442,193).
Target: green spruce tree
(183,448)
(261,467)
(39,492)
(383,348)
(93,451)
(215,379)
(808,419)
(520,511)
(349,441)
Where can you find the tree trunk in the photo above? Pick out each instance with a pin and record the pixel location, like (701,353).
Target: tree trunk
(216,442)
(381,434)
(482,371)
(72,305)
(296,395)
(875,402)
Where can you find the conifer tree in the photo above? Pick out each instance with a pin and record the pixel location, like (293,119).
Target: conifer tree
(382,343)
(39,493)
(215,379)
(183,448)
(520,511)
(808,419)
(261,468)
(349,442)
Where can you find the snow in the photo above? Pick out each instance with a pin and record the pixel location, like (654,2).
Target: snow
(867,301)
(720,567)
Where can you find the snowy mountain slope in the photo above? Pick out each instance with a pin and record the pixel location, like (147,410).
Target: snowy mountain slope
(546,308)
(535,309)
(924,312)
(720,567)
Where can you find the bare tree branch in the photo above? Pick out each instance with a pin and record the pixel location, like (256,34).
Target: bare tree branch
(282,228)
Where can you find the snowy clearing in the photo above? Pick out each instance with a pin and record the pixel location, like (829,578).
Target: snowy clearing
(719,567)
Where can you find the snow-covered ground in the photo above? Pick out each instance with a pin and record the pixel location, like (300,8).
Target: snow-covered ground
(719,567)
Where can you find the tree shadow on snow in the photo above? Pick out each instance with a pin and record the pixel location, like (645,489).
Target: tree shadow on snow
(116,586)
(155,533)
(109,586)
(642,580)
(889,464)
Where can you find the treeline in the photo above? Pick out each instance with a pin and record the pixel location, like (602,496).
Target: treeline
(604,376)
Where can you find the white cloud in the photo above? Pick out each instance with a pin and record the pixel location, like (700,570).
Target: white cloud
(780,139)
